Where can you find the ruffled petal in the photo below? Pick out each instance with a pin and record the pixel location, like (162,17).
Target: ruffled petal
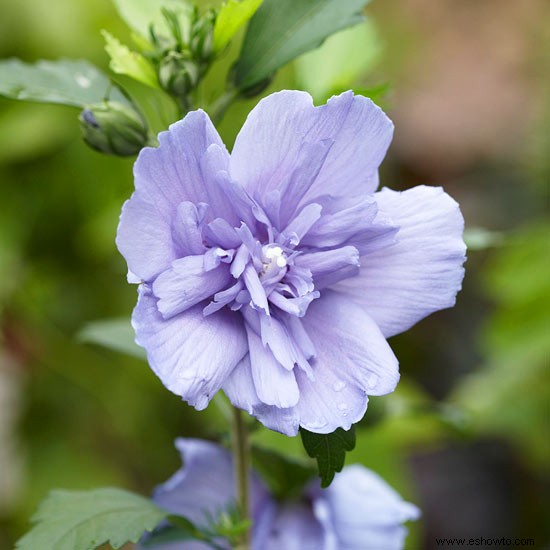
(352,360)
(191,354)
(239,388)
(187,228)
(274,384)
(187,283)
(270,146)
(400,284)
(181,169)
(302,223)
(365,512)
(144,239)
(330,266)
(341,219)
(173,172)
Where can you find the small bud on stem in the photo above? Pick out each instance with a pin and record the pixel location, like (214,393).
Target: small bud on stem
(113,128)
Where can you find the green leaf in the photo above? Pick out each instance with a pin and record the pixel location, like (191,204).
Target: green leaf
(69,82)
(115,334)
(281,30)
(166,535)
(329,450)
(231,17)
(516,345)
(376,93)
(284,476)
(125,61)
(340,62)
(84,520)
(139,15)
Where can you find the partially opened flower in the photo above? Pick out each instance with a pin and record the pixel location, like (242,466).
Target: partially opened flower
(276,273)
(359,511)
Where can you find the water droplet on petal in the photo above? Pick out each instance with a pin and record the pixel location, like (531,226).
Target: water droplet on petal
(372,380)
(315,425)
(339,385)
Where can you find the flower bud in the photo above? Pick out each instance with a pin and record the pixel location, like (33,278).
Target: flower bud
(178,75)
(113,128)
(257,88)
(202,36)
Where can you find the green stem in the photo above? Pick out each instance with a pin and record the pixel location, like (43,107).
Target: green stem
(220,106)
(241,458)
(184,105)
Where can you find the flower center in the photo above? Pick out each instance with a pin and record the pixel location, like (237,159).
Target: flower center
(273,257)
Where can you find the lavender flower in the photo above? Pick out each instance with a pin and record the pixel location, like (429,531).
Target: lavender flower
(276,273)
(358,511)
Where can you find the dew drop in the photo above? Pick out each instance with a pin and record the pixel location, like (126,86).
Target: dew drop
(343,407)
(316,425)
(339,385)
(372,380)
(82,80)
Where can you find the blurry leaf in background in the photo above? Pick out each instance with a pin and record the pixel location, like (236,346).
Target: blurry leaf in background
(284,476)
(125,61)
(479,238)
(281,30)
(510,395)
(340,62)
(232,16)
(115,334)
(69,82)
(141,14)
(11,260)
(80,520)
(375,93)
(30,131)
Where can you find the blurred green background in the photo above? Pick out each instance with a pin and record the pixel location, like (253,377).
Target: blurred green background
(466,435)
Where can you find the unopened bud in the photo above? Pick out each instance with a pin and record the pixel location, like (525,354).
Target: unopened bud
(202,36)
(178,75)
(257,88)
(113,128)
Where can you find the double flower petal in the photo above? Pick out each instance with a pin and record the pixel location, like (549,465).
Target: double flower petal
(276,273)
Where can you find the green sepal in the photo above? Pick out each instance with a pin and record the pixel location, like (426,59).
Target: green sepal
(114,129)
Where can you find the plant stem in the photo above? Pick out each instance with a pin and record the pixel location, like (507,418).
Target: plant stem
(241,460)
(220,106)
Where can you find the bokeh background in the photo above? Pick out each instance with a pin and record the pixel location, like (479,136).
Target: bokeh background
(465,436)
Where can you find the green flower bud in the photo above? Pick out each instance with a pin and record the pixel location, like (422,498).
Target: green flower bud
(113,128)
(202,33)
(257,88)
(178,75)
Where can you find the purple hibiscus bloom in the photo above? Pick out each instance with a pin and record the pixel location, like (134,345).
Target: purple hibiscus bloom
(358,511)
(276,272)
